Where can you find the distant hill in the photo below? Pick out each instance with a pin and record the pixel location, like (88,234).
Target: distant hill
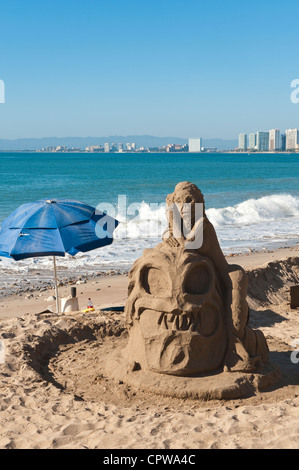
(83,142)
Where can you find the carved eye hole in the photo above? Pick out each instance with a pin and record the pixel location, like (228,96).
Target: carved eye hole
(155,282)
(198,280)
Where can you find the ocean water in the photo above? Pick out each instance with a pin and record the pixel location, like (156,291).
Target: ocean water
(252,200)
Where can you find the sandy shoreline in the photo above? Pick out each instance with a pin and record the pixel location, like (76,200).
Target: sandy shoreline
(54,394)
(104,291)
(107,289)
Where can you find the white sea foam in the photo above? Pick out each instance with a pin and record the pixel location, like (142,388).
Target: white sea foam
(266,209)
(270,221)
(149,222)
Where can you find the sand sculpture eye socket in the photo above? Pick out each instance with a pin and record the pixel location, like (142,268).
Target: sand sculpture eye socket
(198,280)
(155,282)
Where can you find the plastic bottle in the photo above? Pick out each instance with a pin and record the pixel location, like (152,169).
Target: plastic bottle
(90,305)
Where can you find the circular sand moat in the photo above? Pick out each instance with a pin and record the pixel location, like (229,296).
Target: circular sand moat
(83,356)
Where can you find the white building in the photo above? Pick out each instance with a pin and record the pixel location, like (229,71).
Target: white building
(107,147)
(242,141)
(252,141)
(92,148)
(274,140)
(195,145)
(292,139)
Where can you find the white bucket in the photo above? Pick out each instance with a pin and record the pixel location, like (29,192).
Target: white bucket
(69,304)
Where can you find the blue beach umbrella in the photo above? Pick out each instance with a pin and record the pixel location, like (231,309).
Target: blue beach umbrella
(54,228)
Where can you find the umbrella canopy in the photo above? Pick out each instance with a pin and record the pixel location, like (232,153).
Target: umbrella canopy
(54,228)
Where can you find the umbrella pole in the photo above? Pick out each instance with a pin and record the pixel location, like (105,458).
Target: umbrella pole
(56,285)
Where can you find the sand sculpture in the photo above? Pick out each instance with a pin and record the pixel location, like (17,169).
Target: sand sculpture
(187,315)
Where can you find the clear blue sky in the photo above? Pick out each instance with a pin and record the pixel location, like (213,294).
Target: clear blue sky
(161,67)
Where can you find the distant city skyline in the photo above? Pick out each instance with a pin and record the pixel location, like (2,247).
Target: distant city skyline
(159,68)
(83,142)
(272,140)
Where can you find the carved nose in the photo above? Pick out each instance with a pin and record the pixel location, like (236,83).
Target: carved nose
(184,307)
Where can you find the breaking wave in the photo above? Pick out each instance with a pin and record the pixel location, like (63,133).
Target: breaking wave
(266,209)
(268,222)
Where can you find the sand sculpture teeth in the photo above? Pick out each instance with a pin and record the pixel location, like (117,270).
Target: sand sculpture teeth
(178,322)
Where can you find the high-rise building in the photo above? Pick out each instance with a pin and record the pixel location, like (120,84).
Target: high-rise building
(283,142)
(242,141)
(120,147)
(262,141)
(274,139)
(195,145)
(292,139)
(107,147)
(252,141)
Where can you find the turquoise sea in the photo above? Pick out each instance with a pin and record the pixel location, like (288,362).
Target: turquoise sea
(252,200)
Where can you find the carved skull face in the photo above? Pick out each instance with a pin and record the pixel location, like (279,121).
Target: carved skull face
(175,312)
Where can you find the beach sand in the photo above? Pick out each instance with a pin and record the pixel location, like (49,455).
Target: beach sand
(54,393)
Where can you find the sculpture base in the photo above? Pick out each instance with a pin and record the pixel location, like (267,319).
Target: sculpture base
(222,385)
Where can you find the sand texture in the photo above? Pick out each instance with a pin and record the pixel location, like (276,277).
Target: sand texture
(55,391)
